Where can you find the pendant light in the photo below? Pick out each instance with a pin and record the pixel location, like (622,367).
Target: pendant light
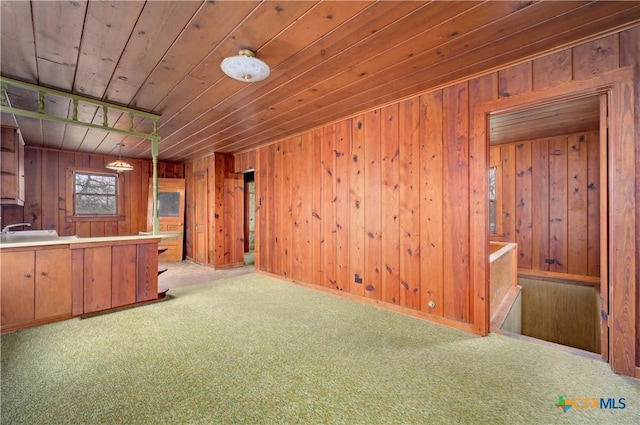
(245,67)
(119,165)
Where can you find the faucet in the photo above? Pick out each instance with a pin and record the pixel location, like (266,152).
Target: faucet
(11,226)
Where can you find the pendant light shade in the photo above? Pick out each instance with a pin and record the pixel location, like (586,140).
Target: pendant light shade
(245,67)
(119,165)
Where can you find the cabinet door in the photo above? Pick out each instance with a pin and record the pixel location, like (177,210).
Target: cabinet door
(53,283)
(147,272)
(11,167)
(123,281)
(17,286)
(97,279)
(20,183)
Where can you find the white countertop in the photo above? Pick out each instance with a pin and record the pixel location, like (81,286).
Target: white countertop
(71,240)
(163,234)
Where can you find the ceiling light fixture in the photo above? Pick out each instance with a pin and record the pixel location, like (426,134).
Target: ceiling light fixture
(119,165)
(245,67)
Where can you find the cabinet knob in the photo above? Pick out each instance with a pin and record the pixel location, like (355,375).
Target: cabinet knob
(43,273)
(27,275)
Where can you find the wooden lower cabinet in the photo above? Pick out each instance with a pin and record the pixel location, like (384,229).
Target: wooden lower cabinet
(36,285)
(115,276)
(54,282)
(124,260)
(18,293)
(147,272)
(97,279)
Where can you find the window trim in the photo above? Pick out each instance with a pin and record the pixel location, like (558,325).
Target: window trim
(70,198)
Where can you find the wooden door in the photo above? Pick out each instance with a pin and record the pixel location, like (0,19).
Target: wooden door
(200,219)
(171,204)
(17,286)
(170,214)
(53,283)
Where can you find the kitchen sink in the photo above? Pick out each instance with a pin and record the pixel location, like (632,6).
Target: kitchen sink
(21,236)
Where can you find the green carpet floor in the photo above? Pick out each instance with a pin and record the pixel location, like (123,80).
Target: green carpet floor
(256,350)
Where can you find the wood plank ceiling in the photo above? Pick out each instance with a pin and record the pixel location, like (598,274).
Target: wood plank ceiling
(328,60)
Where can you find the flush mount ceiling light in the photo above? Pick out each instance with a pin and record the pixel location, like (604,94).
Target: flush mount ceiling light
(245,67)
(119,165)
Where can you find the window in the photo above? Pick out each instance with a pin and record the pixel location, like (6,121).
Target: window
(93,194)
(168,204)
(493,192)
(495,201)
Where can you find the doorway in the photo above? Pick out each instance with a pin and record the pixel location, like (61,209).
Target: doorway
(249,217)
(548,185)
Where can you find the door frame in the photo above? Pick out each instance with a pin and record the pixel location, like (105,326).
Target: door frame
(619,251)
(194,247)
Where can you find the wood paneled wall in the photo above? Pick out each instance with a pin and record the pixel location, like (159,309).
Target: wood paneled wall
(550,202)
(373,205)
(46,193)
(397,197)
(224,202)
(244,162)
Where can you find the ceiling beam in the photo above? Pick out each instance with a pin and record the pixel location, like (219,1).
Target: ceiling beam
(39,111)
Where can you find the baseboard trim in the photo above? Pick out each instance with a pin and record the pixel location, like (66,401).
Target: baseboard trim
(33,323)
(230,265)
(466,327)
